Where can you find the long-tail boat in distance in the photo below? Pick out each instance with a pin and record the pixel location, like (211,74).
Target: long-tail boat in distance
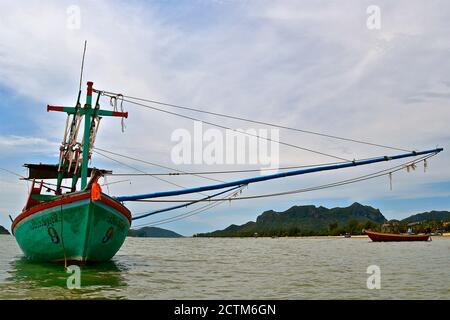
(390,237)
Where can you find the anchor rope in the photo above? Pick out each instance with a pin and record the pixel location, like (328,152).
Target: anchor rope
(62,236)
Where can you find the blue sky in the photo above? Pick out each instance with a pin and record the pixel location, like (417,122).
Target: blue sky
(297,63)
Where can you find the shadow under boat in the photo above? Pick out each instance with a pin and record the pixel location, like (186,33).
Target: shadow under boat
(38,274)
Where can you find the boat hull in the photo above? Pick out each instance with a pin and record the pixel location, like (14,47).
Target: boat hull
(73,228)
(389,237)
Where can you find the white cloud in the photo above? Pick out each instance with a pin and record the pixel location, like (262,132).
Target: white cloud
(13,147)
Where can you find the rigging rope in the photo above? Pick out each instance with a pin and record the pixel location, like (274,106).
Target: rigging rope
(184,205)
(155,164)
(219,172)
(274,176)
(182,216)
(220,201)
(189,213)
(13,173)
(260,122)
(320,187)
(134,168)
(234,130)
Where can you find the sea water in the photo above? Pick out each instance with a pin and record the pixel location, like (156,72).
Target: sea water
(240,268)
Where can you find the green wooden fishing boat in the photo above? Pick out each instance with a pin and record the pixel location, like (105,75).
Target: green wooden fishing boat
(83,225)
(73,228)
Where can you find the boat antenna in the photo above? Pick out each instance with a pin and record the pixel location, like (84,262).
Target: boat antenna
(82,68)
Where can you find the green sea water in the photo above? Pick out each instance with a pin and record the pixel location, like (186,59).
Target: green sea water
(250,268)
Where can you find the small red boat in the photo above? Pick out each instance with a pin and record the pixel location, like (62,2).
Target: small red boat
(380,236)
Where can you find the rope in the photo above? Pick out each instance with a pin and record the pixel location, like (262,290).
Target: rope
(144,215)
(62,236)
(189,213)
(13,173)
(225,171)
(113,103)
(234,130)
(320,187)
(155,164)
(114,182)
(134,168)
(184,216)
(261,122)
(105,183)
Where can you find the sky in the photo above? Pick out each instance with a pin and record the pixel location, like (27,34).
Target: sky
(314,65)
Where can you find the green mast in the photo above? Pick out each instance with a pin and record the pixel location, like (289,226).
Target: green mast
(89,115)
(86,137)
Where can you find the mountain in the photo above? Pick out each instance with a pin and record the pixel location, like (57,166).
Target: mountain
(153,232)
(3,230)
(306,220)
(428,216)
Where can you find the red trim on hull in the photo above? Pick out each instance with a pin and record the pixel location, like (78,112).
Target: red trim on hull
(116,205)
(381,237)
(69,199)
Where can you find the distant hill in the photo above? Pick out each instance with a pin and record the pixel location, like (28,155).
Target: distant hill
(306,220)
(428,216)
(3,230)
(153,232)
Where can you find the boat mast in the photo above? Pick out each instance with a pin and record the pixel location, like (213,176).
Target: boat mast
(90,114)
(86,137)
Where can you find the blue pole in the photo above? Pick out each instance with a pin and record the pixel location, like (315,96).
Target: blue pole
(184,204)
(275,176)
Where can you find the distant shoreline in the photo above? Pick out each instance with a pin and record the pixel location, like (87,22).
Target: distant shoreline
(362,236)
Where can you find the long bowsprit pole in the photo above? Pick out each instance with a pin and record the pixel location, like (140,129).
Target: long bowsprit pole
(275,176)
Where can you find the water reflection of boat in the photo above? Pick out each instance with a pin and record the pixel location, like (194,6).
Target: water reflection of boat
(44,275)
(385,237)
